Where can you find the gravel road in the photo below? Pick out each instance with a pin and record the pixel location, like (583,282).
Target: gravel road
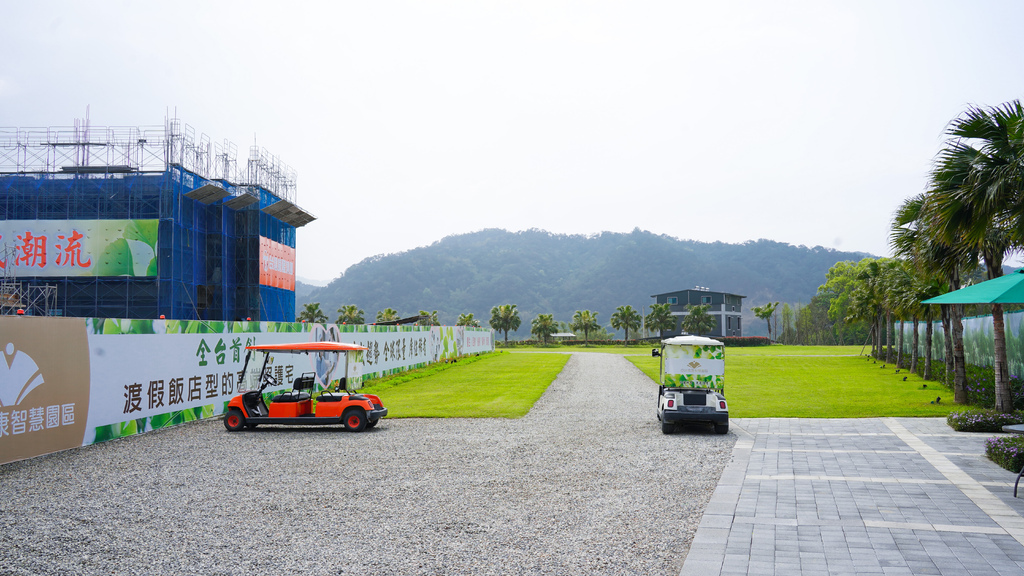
(586,483)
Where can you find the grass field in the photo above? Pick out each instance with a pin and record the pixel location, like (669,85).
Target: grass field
(818,382)
(499,385)
(581,348)
(760,382)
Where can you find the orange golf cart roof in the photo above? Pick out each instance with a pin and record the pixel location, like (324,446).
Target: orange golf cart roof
(308,347)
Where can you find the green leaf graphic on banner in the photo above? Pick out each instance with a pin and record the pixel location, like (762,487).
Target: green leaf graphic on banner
(143,230)
(141,327)
(104,433)
(160,420)
(111,326)
(116,259)
(129,428)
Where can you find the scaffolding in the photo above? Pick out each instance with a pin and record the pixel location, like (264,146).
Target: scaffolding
(83,149)
(26,297)
(211,210)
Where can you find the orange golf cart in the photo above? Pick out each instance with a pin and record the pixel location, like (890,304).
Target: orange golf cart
(303,405)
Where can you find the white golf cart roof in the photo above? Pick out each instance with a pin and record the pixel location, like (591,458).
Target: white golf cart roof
(691,341)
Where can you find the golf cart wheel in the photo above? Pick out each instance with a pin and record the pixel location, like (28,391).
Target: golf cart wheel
(354,420)
(234,421)
(722,428)
(372,423)
(667,427)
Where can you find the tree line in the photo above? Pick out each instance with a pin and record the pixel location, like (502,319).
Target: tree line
(546,273)
(957,232)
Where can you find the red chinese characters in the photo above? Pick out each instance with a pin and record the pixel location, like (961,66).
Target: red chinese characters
(70,254)
(31,250)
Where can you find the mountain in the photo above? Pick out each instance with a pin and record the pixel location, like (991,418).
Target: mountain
(303,290)
(545,273)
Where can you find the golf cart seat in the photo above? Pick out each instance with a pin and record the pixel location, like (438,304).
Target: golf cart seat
(334,396)
(298,393)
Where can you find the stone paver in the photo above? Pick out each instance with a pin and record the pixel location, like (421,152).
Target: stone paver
(879,496)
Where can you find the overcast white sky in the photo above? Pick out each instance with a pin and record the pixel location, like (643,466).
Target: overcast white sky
(805,122)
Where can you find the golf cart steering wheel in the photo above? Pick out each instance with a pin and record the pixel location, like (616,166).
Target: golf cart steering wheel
(269,380)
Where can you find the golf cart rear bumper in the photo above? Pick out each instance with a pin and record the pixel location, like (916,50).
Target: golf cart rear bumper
(695,415)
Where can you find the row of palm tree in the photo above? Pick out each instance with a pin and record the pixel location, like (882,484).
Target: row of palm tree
(971,213)
(505,319)
(352,314)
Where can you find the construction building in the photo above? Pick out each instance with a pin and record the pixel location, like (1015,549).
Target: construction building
(144,223)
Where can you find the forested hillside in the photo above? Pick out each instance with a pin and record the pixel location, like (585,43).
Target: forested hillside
(545,273)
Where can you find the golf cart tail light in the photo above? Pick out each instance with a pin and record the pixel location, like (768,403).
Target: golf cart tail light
(721,404)
(671,403)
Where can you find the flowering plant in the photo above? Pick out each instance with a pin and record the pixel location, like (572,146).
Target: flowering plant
(1007,451)
(981,420)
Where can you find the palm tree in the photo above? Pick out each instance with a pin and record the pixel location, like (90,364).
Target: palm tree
(428,319)
(543,326)
(350,314)
(505,318)
(387,315)
(698,321)
(978,193)
(467,320)
(586,321)
(626,318)
(867,301)
(312,313)
(917,235)
(660,318)
(765,313)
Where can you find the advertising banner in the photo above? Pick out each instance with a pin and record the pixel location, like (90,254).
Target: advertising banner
(695,366)
(277,264)
(68,382)
(80,247)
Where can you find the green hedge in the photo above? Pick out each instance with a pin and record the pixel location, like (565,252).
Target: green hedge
(743,341)
(736,341)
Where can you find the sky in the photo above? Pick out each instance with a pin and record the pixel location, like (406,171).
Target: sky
(804,122)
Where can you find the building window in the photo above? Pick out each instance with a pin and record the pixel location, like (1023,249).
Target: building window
(728,322)
(672,300)
(705,299)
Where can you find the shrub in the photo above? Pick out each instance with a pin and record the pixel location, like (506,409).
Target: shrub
(1007,451)
(981,420)
(979,384)
(740,341)
(981,387)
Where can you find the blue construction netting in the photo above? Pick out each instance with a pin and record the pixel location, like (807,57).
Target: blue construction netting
(208,256)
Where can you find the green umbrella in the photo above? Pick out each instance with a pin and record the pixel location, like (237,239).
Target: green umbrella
(1008,289)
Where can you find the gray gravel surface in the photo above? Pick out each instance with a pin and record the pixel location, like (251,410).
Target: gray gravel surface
(586,483)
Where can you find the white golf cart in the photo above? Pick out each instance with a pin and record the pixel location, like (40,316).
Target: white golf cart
(692,383)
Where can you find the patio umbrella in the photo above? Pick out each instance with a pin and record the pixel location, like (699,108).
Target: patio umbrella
(1008,289)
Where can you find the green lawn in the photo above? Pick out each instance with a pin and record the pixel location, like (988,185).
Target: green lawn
(593,348)
(818,382)
(497,385)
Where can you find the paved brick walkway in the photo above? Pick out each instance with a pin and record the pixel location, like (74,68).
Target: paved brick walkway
(880,496)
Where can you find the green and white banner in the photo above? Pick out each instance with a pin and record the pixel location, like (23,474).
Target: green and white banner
(80,247)
(68,382)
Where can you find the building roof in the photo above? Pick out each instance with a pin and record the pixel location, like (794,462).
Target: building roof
(694,290)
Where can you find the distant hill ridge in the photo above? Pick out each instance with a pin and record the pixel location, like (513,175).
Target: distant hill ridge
(546,273)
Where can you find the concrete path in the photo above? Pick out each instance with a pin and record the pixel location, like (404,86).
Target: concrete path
(880,496)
